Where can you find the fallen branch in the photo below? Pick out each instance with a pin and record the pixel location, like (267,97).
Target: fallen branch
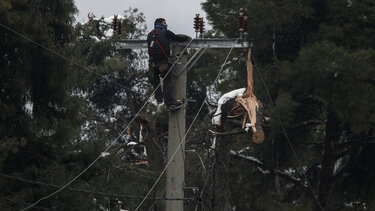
(226,133)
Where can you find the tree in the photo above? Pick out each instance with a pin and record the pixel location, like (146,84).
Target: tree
(59,108)
(316,60)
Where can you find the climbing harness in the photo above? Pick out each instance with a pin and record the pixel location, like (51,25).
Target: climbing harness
(155,39)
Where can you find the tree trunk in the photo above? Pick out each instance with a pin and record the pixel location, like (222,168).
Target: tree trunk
(155,154)
(275,166)
(221,191)
(154,149)
(130,101)
(328,163)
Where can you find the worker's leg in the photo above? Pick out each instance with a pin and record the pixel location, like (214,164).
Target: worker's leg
(156,82)
(167,89)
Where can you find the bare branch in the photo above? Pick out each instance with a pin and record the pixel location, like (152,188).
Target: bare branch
(227,133)
(263,167)
(308,122)
(364,140)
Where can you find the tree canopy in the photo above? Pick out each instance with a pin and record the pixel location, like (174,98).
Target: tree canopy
(67,95)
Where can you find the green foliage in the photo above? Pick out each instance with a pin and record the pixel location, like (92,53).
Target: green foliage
(57,112)
(341,79)
(316,59)
(58,115)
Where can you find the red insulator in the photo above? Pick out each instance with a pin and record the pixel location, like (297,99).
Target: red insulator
(119,27)
(115,22)
(196,22)
(245,20)
(241,21)
(201,25)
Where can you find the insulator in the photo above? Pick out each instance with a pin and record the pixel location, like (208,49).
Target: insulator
(201,25)
(115,22)
(241,21)
(245,24)
(119,27)
(196,22)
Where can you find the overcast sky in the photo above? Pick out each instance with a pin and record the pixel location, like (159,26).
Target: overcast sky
(178,13)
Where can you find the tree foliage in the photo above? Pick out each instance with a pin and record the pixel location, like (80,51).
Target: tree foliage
(316,58)
(65,103)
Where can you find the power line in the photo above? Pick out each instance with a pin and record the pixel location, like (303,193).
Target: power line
(93,192)
(14,204)
(273,107)
(184,138)
(61,56)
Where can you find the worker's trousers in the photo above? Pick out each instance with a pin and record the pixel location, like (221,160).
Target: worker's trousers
(164,91)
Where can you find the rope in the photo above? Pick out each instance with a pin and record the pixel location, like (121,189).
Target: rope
(113,142)
(184,138)
(273,107)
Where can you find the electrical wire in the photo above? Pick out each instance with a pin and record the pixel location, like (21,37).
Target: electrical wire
(273,107)
(93,192)
(184,138)
(61,56)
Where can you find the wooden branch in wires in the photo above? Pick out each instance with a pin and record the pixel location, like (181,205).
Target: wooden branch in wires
(231,133)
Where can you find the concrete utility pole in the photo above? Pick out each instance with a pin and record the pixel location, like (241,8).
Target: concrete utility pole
(176,132)
(177,119)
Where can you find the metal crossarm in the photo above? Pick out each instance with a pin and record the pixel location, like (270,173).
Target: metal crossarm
(196,43)
(191,61)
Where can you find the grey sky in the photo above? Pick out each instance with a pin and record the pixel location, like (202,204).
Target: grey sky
(178,13)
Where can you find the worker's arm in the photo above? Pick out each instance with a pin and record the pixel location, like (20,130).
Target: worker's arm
(177,38)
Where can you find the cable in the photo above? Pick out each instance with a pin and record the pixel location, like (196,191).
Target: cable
(287,137)
(113,142)
(93,192)
(62,56)
(184,138)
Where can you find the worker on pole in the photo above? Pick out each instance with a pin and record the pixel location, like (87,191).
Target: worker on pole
(159,52)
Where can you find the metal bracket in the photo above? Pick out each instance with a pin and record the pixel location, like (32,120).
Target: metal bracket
(196,43)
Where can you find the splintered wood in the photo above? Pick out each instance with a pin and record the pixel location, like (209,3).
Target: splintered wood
(247,106)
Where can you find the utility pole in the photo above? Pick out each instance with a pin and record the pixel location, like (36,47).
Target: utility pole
(176,132)
(177,119)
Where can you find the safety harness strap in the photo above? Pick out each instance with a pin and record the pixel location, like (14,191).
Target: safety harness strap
(157,41)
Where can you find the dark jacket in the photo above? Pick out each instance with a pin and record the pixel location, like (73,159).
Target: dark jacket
(163,36)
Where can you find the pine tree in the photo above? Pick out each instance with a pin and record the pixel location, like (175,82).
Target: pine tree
(57,113)
(316,58)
